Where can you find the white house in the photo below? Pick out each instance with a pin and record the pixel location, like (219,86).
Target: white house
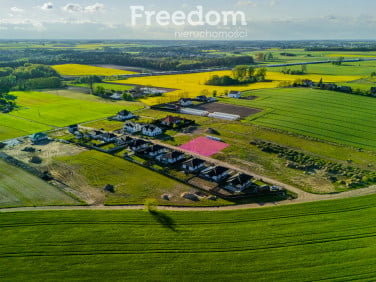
(132,127)
(239,182)
(194,165)
(124,115)
(216,174)
(138,145)
(171,158)
(116,96)
(151,130)
(235,94)
(155,150)
(185,102)
(108,137)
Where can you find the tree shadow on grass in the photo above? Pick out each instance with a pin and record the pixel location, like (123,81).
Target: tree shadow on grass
(164,220)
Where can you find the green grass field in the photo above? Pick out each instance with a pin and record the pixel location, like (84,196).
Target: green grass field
(62,111)
(133,183)
(333,240)
(21,189)
(332,116)
(364,68)
(11,127)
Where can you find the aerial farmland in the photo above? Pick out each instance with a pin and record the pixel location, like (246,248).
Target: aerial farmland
(157,159)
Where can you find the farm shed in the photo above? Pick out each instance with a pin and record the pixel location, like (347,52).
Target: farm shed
(194,112)
(235,94)
(224,116)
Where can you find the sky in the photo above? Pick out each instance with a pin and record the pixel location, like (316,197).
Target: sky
(262,20)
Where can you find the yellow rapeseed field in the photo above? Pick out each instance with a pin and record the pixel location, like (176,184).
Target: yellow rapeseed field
(75,69)
(193,85)
(190,85)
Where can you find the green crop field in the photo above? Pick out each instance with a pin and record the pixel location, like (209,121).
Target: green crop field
(328,115)
(364,68)
(21,189)
(133,183)
(61,111)
(11,127)
(332,240)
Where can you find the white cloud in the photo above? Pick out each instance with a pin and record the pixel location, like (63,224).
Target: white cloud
(16,10)
(243,3)
(72,7)
(47,6)
(95,8)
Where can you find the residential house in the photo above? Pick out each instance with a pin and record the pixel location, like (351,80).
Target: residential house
(123,140)
(124,115)
(155,151)
(138,144)
(132,127)
(202,98)
(39,138)
(216,174)
(194,165)
(151,130)
(171,158)
(116,96)
(108,137)
(239,182)
(171,121)
(73,128)
(78,135)
(235,94)
(185,102)
(95,134)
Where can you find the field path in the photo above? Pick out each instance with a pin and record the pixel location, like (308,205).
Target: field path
(310,198)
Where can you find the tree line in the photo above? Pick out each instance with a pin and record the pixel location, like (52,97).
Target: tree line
(168,62)
(22,78)
(241,74)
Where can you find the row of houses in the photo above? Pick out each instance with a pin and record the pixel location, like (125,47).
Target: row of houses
(146,129)
(164,155)
(228,179)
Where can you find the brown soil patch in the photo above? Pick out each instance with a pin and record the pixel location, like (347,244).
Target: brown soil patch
(243,112)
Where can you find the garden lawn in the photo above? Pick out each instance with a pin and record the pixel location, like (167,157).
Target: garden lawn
(332,241)
(328,115)
(82,70)
(60,111)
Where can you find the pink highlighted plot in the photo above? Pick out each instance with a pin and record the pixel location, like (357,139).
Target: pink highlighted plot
(204,146)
